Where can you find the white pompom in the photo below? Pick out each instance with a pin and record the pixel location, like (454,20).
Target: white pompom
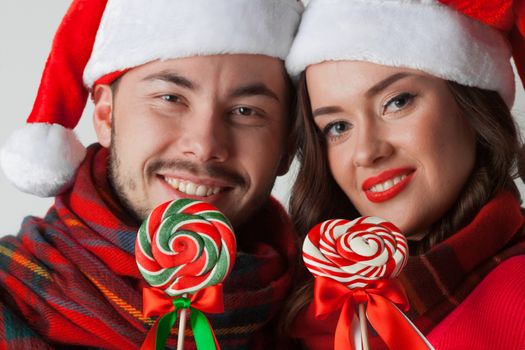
(42,159)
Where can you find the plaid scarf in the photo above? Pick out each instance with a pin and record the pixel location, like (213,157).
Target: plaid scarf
(439,280)
(70,279)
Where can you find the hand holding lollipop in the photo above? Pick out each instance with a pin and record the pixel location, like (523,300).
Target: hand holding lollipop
(185,247)
(355,263)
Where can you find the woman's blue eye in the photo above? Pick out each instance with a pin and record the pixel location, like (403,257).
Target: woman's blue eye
(336,128)
(397,103)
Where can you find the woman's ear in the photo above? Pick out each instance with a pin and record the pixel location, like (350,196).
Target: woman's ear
(102,115)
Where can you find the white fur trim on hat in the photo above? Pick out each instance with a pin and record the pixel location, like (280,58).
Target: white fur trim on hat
(42,158)
(419,34)
(132,32)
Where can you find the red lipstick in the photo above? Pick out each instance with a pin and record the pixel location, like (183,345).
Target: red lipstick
(382,196)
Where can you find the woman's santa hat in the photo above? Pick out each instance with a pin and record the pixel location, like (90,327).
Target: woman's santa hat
(98,40)
(466,41)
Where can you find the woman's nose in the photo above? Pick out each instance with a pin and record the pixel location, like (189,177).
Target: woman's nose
(372,144)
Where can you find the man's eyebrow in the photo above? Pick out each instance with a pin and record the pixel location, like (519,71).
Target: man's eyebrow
(254,90)
(173,78)
(383,84)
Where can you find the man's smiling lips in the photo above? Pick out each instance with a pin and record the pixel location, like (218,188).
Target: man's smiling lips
(191,188)
(195,187)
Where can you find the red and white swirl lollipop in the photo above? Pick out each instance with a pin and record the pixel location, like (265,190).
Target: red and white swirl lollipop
(355,263)
(355,253)
(184,246)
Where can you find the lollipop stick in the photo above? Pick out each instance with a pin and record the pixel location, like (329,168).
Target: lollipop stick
(182,327)
(362,323)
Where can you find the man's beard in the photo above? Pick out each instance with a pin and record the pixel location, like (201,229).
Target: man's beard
(120,186)
(137,209)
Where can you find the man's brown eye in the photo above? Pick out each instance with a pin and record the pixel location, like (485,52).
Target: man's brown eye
(170,98)
(244,111)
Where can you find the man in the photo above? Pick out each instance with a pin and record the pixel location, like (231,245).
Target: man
(191,101)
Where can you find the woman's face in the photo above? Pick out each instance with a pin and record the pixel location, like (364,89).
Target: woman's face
(397,142)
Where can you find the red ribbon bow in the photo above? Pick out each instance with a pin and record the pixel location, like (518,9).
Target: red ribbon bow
(157,302)
(380,298)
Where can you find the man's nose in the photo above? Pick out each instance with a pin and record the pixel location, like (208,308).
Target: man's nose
(205,138)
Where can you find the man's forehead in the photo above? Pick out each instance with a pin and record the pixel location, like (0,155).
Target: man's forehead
(247,63)
(236,73)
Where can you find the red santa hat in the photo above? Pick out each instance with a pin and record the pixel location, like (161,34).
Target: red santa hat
(98,40)
(466,41)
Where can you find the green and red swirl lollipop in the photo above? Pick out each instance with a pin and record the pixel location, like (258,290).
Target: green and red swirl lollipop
(184,250)
(185,246)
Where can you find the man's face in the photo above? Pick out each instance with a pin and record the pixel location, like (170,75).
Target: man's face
(211,128)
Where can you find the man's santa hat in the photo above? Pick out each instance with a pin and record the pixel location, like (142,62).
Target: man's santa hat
(466,41)
(98,40)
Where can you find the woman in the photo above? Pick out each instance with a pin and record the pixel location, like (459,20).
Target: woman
(405,115)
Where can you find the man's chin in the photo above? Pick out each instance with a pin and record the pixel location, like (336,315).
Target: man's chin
(243,216)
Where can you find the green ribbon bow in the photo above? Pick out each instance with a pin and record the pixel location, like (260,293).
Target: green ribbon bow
(202,332)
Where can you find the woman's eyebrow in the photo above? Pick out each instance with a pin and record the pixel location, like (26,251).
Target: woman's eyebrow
(383,84)
(326,110)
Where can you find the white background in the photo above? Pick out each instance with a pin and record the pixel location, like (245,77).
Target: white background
(26,31)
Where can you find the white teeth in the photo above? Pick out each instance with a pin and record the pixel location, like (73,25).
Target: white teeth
(191,188)
(201,191)
(387,184)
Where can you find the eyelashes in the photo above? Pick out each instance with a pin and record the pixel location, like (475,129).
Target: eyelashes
(335,129)
(398,102)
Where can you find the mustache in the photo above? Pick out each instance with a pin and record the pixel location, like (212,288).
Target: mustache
(208,170)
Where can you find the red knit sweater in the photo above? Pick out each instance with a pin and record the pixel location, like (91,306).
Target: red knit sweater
(491,317)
